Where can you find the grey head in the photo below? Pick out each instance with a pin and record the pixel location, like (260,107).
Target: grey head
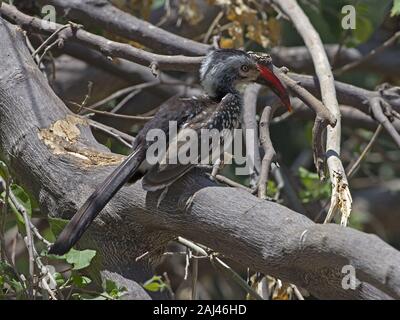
(225,71)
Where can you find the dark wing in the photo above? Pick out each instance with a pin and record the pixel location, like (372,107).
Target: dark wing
(165,173)
(171,110)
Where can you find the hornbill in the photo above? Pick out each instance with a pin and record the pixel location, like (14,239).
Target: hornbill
(222,74)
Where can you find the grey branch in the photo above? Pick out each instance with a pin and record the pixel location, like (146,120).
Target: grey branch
(341,197)
(105,46)
(101,13)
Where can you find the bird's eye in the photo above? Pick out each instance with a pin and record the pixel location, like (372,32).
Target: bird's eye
(244,68)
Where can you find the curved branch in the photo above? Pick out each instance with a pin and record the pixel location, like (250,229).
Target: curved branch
(341,197)
(103,14)
(105,46)
(265,236)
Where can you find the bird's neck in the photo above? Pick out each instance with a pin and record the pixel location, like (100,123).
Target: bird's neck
(218,87)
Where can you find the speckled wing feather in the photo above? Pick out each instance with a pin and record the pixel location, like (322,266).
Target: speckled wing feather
(217,116)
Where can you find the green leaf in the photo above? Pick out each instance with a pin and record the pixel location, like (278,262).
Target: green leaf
(363,30)
(57,225)
(108,143)
(312,188)
(154,284)
(4,173)
(395,9)
(271,188)
(80,281)
(112,289)
(22,198)
(24,201)
(154,287)
(80,259)
(59,279)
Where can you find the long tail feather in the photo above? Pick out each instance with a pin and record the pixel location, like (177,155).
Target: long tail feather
(96,202)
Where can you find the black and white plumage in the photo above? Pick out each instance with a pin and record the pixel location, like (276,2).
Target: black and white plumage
(222,74)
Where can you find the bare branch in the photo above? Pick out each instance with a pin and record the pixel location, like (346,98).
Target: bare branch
(376,107)
(350,66)
(103,14)
(323,70)
(352,170)
(269,151)
(250,131)
(107,47)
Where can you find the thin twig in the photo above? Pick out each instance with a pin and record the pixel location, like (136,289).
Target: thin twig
(124,101)
(187,264)
(50,38)
(376,105)
(353,169)
(221,266)
(113,115)
(250,132)
(191,245)
(389,42)
(195,273)
(106,46)
(29,244)
(212,26)
(87,96)
(111,133)
(228,271)
(38,235)
(269,151)
(124,91)
(48,48)
(232,183)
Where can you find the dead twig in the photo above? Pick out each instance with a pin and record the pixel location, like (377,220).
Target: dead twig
(212,26)
(269,151)
(106,46)
(219,265)
(124,91)
(112,115)
(29,244)
(312,40)
(381,111)
(50,38)
(353,169)
(251,132)
(350,66)
(113,133)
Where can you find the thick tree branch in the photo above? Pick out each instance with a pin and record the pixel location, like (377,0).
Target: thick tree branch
(265,236)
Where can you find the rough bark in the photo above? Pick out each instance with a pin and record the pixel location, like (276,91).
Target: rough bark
(60,168)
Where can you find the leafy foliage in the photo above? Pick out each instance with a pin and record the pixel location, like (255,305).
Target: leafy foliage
(312,189)
(396,8)
(155,284)
(73,279)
